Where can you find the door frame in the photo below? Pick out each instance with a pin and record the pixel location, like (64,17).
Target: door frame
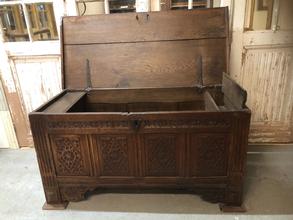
(244,40)
(9,51)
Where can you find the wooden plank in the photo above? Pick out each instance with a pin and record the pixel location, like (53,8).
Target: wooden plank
(143,95)
(145,65)
(49,102)
(151,26)
(233,92)
(267,75)
(64,103)
(272,132)
(145,106)
(210,104)
(228,104)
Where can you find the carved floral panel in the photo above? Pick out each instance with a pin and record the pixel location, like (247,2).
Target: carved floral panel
(208,155)
(160,155)
(69,159)
(114,155)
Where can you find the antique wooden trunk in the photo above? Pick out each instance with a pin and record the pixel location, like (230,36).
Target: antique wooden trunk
(145,105)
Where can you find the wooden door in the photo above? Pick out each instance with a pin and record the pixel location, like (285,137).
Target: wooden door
(7,134)
(30,57)
(261,61)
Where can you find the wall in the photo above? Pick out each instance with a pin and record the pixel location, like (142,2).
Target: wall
(217,3)
(259,19)
(286,20)
(92,8)
(261,61)
(7,133)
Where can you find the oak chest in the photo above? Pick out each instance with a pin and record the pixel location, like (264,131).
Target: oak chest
(146,105)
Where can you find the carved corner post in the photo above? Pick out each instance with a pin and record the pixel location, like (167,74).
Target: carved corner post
(46,166)
(237,163)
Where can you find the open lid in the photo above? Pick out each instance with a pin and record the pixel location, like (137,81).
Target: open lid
(141,50)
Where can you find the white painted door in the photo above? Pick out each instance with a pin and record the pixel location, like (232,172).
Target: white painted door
(7,134)
(30,56)
(261,61)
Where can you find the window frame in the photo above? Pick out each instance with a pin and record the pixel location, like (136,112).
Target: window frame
(23,3)
(248,17)
(34,47)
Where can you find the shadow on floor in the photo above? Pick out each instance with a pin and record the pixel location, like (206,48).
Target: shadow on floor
(179,203)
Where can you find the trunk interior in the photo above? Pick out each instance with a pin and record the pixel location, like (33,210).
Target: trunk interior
(137,100)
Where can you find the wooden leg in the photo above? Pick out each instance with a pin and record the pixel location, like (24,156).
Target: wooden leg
(233,201)
(56,206)
(54,200)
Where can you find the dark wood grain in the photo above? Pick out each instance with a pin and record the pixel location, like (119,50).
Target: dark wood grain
(234,93)
(150,49)
(143,95)
(210,104)
(65,102)
(140,65)
(151,26)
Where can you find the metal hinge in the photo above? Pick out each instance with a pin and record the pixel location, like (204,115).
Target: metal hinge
(88,76)
(199,86)
(199,72)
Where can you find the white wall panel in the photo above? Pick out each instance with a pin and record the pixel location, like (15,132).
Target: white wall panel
(7,134)
(267,77)
(39,79)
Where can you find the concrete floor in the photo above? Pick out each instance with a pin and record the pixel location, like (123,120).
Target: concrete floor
(268,194)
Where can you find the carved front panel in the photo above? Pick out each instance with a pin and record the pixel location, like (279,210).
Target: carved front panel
(115,155)
(69,155)
(208,154)
(161,154)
